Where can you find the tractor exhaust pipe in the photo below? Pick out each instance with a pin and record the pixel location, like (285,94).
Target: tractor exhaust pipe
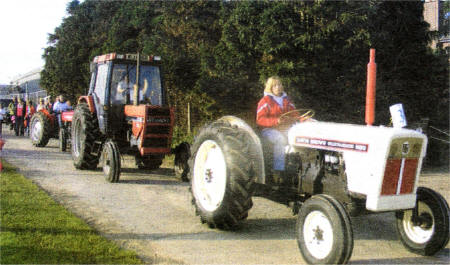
(370,91)
(136,87)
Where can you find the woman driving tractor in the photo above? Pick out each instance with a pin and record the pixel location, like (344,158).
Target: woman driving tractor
(270,117)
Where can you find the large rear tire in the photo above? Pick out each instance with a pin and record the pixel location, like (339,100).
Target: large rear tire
(429,232)
(85,132)
(40,129)
(111,161)
(324,234)
(222,179)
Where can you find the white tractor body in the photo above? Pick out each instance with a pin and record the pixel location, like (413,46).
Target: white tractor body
(382,163)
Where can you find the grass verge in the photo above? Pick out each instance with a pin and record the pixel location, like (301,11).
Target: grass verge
(36,229)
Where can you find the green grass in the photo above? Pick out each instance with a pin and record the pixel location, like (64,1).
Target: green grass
(36,229)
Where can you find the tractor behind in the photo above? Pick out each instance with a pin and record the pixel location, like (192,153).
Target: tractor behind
(125,112)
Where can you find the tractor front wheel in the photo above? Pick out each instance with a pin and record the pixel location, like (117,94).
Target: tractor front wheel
(85,133)
(222,180)
(62,140)
(425,229)
(324,233)
(111,161)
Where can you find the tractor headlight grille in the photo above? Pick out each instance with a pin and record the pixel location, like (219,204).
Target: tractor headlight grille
(401,166)
(156,142)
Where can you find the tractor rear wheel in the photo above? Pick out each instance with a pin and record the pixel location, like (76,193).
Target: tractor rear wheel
(40,129)
(222,180)
(428,232)
(324,234)
(111,161)
(85,133)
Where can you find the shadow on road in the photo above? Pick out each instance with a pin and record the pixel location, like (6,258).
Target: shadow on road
(442,259)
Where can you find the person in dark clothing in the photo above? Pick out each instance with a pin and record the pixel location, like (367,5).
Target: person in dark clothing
(20,115)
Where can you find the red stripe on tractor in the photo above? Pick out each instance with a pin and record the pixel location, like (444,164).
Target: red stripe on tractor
(391,174)
(409,175)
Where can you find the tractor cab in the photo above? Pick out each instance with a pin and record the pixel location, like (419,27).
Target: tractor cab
(118,80)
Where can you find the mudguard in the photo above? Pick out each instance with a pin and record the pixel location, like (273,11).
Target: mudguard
(256,150)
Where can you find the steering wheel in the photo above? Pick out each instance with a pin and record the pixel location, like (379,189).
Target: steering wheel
(287,119)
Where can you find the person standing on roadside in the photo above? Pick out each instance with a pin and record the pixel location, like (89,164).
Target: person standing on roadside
(20,115)
(28,114)
(2,116)
(12,111)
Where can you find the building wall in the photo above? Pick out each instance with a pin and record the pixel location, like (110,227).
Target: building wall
(431,13)
(29,82)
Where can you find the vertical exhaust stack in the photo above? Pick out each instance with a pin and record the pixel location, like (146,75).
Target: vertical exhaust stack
(136,87)
(370,92)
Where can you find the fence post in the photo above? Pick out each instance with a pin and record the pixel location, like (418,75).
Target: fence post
(189,118)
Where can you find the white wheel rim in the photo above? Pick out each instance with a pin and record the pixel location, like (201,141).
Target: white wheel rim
(210,176)
(416,233)
(36,130)
(106,162)
(318,234)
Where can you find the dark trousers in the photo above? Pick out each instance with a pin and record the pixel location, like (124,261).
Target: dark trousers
(19,125)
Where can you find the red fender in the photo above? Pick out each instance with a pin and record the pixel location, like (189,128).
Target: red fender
(88,100)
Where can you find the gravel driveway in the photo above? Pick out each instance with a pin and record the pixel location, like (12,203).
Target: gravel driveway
(151,212)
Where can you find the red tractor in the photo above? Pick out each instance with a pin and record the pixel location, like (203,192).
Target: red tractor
(125,112)
(44,125)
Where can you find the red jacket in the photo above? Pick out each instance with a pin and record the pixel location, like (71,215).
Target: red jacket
(269,111)
(30,111)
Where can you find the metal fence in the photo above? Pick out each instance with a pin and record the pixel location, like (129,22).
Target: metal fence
(34,96)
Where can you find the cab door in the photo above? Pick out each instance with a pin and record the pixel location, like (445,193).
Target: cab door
(99,94)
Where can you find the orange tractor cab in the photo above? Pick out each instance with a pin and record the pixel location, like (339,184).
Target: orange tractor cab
(125,112)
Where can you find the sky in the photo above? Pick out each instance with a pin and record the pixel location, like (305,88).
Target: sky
(24,29)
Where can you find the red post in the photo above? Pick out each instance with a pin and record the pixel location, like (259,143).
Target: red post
(370,92)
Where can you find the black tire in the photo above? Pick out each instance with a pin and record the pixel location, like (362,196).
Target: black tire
(431,232)
(148,162)
(62,140)
(111,161)
(233,178)
(323,230)
(85,132)
(181,163)
(41,128)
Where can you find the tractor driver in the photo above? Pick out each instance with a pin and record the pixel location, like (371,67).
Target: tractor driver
(125,89)
(274,103)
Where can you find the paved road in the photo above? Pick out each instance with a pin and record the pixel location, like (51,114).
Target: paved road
(151,213)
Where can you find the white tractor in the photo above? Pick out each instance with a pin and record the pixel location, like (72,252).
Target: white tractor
(333,171)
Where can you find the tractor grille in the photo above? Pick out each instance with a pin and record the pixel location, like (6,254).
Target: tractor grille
(156,142)
(156,129)
(401,166)
(159,112)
